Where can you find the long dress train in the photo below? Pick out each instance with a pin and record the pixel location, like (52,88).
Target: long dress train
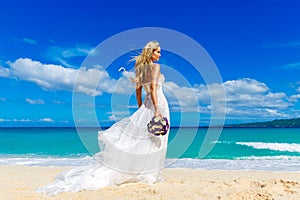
(128,153)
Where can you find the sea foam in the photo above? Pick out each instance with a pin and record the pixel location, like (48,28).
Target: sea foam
(290,147)
(266,163)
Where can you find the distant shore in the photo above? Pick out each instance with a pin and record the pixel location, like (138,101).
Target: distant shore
(19,182)
(277,123)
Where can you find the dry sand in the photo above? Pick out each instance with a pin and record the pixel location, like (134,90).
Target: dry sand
(19,183)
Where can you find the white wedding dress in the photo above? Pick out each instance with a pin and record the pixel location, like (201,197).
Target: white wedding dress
(128,153)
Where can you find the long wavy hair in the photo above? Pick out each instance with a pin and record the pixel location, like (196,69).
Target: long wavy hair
(143,63)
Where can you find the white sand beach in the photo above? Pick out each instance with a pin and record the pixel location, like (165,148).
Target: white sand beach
(19,183)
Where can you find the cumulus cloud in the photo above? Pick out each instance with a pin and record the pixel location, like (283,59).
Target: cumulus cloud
(48,76)
(248,97)
(245,86)
(4,72)
(185,97)
(294,98)
(243,97)
(91,81)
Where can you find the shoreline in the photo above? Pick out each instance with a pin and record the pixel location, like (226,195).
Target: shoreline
(266,163)
(19,182)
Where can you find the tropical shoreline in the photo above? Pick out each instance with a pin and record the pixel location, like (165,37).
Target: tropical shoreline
(19,182)
(268,164)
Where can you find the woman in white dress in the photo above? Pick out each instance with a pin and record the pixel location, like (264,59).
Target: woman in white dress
(129,153)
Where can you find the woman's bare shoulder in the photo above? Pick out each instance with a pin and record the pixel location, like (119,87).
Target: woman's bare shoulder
(156,66)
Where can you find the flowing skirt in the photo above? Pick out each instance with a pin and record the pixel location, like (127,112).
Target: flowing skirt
(128,154)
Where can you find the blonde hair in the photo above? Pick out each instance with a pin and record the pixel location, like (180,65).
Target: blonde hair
(143,63)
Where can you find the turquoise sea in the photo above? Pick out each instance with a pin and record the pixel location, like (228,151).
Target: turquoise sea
(271,149)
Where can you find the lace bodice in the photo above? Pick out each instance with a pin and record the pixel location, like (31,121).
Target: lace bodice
(162,102)
(160,81)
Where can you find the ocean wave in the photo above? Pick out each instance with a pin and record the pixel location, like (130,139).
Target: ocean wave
(281,158)
(289,147)
(265,163)
(46,161)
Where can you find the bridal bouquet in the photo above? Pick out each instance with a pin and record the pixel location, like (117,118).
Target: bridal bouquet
(158,126)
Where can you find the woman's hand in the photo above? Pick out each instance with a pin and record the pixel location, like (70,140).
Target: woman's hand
(157,113)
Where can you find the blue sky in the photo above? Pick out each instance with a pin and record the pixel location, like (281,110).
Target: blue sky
(255,45)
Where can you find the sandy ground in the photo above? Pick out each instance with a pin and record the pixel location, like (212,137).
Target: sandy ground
(19,183)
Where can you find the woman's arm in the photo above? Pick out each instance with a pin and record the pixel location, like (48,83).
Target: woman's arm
(153,87)
(138,92)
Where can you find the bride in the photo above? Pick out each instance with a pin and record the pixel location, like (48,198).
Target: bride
(129,153)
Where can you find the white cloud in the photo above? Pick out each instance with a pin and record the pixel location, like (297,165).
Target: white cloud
(24,40)
(37,101)
(182,96)
(58,102)
(60,54)
(291,66)
(92,81)
(132,106)
(114,118)
(250,113)
(29,41)
(244,97)
(48,76)
(25,120)
(248,97)
(283,45)
(77,51)
(20,120)
(236,93)
(4,72)
(123,85)
(294,98)
(298,90)
(46,120)
(117,115)
(245,86)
